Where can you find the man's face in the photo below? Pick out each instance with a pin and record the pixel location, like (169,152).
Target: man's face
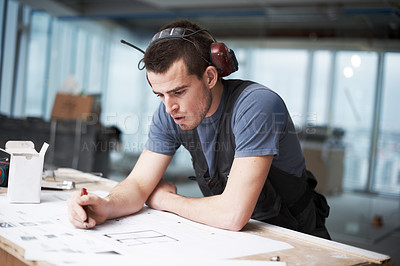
(186,98)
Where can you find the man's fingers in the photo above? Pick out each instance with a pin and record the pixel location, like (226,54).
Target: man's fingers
(77,215)
(75,219)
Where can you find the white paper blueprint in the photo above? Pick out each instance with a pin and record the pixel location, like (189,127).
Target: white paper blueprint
(44,231)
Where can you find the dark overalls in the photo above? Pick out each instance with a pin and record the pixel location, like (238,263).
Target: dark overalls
(285,200)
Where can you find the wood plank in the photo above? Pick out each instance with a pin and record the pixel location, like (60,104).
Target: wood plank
(311,250)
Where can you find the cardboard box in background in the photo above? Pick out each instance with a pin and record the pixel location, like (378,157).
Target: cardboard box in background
(78,107)
(326,163)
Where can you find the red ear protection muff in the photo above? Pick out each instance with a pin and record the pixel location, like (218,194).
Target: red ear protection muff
(221,56)
(223,59)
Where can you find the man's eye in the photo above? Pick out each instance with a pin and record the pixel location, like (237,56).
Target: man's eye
(179,92)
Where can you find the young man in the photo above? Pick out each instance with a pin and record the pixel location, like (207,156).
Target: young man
(245,151)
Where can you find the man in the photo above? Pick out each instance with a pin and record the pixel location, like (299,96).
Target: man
(245,151)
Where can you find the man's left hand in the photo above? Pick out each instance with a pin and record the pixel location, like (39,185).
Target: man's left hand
(160,193)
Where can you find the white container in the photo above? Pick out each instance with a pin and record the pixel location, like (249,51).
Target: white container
(25,172)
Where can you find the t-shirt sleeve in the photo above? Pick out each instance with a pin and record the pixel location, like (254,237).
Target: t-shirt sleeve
(259,118)
(164,134)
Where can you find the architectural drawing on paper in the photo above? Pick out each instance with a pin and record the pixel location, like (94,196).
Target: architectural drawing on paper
(140,237)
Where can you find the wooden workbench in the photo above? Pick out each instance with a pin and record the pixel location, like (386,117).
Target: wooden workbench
(308,250)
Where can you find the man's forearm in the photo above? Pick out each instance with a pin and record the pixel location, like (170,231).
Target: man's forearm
(130,195)
(213,211)
(230,210)
(124,199)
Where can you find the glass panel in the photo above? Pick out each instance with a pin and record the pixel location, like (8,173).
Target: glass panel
(80,71)
(283,71)
(320,87)
(130,101)
(62,59)
(387,170)
(96,65)
(353,112)
(36,66)
(9,53)
(2,14)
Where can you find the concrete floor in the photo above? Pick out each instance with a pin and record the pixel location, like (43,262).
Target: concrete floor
(351,222)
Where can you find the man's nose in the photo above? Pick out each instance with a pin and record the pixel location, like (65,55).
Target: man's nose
(170,105)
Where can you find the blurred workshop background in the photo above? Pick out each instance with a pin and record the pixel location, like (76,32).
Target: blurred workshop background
(66,79)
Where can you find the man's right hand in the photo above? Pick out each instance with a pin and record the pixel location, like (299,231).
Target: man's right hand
(126,198)
(96,210)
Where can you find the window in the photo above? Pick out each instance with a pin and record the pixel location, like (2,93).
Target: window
(9,53)
(2,16)
(96,60)
(130,101)
(355,83)
(283,71)
(37,64)
(320,88)
(387,164)
(57,50)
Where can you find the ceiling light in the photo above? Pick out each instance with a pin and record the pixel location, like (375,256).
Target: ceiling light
(355,60)
(348,72)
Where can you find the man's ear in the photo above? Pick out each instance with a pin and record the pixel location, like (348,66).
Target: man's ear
(211,76)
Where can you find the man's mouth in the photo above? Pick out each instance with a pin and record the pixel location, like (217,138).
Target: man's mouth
(179,119)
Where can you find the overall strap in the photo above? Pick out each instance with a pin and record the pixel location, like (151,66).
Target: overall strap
(191,141)
(225,144)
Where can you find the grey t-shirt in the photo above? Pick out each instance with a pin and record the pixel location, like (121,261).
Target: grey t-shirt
(261,125)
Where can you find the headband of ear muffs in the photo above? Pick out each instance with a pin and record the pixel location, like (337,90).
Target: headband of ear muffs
(221,56)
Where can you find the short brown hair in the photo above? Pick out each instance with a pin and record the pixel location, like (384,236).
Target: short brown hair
(194,50)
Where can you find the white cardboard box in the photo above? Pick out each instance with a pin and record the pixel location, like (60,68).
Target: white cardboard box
(25,172)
